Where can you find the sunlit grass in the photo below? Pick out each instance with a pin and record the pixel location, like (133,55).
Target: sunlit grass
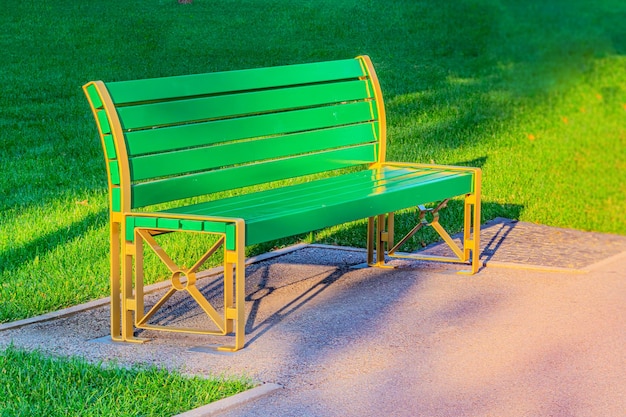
(533,92)
(32,384)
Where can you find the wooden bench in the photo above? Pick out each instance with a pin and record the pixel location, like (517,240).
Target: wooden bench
(313,136)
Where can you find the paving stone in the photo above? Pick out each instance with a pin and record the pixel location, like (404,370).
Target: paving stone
(516,242)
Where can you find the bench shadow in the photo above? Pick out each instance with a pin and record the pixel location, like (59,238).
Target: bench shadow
(262,283)
(503,228)
(262,327)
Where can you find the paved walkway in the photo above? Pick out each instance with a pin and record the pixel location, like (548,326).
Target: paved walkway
(418,340)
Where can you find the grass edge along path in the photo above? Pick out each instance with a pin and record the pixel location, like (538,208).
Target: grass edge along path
(58,386)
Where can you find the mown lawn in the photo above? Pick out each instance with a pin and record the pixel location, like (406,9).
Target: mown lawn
(32,384)
(533,92)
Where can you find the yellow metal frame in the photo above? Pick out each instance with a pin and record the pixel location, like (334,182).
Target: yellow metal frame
(368,69)
(380,229)
(380,233)
(126,262)
(131,314)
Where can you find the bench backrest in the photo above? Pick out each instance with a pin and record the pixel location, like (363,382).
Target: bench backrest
(172,138)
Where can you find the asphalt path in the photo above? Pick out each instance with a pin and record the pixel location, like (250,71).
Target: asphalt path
(515,339)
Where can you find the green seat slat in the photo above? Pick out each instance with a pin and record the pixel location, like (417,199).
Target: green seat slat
(207,133)
(194,225)
(284,195)
(254,207)
(167,223)
(332,196)
(221,82)
(277,213)
(192,160)
(288,224)
(192,185)
(214,227)
(145,222)
(198,109)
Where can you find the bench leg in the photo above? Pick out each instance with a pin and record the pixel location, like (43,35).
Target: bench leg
(234,293)
(469,253)
(123,301)
(116,295)
(126,298)
(379,239)
(471,228)
(127,301)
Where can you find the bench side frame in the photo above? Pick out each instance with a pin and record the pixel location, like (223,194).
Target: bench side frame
(126,254)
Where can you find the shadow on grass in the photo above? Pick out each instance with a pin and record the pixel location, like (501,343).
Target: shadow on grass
(40,247)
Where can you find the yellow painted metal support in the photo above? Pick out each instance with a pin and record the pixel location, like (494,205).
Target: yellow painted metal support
(368,67)
(472,221)
(469,253)
(128,294)
(237,259)
(378,239)
(116,305)
(177,284)
(371,231)
(129,304)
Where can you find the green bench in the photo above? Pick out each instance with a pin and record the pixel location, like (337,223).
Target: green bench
(251,156)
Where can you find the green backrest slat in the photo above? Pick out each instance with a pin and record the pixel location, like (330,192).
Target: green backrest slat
(125,92)
(104,122)
(199,159)
(92,91)
(109,147)
(203,134)
(192,185)
(114,170)
(198,109)
(116,199)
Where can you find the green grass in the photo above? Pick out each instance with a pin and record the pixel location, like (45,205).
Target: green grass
(32,384)
(533,92)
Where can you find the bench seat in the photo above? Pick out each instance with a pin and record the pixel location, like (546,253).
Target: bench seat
(289,210)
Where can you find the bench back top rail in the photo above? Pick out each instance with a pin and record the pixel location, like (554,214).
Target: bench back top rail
(167,139)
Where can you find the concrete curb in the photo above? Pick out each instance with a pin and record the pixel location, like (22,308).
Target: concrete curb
(233,401)
(530,267)
(606,261)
